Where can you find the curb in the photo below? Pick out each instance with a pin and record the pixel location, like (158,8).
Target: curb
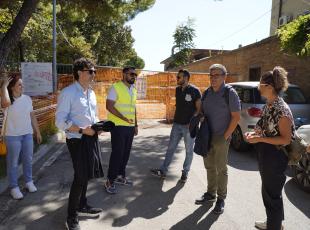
(41,152)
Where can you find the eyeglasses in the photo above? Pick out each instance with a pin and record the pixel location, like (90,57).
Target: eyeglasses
(216,75)
(262,84)
(132,74)
(90,71)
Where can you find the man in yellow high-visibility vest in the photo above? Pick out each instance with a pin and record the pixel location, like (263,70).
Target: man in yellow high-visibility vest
(121,107)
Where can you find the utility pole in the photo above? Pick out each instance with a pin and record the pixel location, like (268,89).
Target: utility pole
(54,71)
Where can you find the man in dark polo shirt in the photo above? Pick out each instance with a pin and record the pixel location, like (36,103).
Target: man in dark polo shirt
(221,107)
(188,104)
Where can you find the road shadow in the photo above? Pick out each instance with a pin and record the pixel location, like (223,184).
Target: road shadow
(243,160)
(51,220)
(146,150)
(46,207)
(299,198)
(152,202)
(147,198)
(193,221)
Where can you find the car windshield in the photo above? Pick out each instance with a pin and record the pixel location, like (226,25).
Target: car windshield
(293,95)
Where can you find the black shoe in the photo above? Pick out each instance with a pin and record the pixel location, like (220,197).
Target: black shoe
(73,224)
(219,206)
(183,177)
(158,173)
(206,197)
(123,181)
(87,209)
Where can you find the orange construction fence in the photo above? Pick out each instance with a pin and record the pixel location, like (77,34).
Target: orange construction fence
(156,90)
(156,93)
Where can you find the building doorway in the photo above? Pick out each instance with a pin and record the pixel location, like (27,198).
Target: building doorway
(254,74)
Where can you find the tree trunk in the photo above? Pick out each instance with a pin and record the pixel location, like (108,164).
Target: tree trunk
(12,36)
(21,51)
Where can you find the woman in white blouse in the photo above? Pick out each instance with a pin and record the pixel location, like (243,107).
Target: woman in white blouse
(18,134)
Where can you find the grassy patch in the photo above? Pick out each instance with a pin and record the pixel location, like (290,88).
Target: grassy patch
(47,130)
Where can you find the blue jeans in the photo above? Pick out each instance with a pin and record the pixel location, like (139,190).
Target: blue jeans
(177,132)
(19,146)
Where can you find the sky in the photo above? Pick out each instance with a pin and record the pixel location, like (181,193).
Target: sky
(218,25)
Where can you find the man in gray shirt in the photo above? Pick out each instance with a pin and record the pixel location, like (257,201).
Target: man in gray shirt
(221,107)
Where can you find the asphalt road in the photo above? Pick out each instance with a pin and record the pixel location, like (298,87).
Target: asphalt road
(151,203)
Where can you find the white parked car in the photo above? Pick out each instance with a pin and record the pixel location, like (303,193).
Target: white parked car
(302,170)
(251,109)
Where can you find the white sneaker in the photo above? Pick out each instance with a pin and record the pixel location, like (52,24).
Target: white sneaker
(16,193)
(262,225)
(31,187)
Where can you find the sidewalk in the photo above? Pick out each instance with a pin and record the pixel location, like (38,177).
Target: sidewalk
(152,203)
(40,154)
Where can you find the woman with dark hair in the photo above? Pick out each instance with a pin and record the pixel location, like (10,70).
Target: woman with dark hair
(275,128)
(19,127)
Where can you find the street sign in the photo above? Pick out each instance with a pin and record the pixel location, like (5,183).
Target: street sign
(37,78)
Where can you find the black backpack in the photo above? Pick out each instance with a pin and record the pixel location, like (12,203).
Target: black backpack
(226,93)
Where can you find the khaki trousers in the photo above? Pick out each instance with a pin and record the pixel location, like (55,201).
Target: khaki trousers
(216,164)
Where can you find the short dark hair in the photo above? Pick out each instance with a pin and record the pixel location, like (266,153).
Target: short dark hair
(80,64)
(12,83)
(127,68)
(185,73)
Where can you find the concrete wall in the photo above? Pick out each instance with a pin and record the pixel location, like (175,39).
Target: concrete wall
(291,8)
(264,55)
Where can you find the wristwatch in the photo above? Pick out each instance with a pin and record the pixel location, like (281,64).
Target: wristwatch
(81,131)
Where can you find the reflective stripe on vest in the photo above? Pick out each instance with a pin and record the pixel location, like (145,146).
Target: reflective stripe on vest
(125,104)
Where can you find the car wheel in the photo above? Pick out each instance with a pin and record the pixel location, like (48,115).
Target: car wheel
(302,173)
(237,140)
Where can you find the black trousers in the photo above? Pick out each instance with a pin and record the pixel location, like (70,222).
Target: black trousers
(121,140)
(77,197)
(272,165)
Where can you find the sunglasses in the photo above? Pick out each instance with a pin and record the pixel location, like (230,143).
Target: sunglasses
(132,74)
(90,71)
(263,84)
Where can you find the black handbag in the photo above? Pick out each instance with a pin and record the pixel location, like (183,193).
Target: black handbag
(105,126)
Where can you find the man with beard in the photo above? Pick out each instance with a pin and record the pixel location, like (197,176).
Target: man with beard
(121,107)
(188,104)
(76,113)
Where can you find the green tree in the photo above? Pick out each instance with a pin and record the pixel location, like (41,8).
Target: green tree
(183,43)
(295,36)
(135,61)
(88,28)
(12,36)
